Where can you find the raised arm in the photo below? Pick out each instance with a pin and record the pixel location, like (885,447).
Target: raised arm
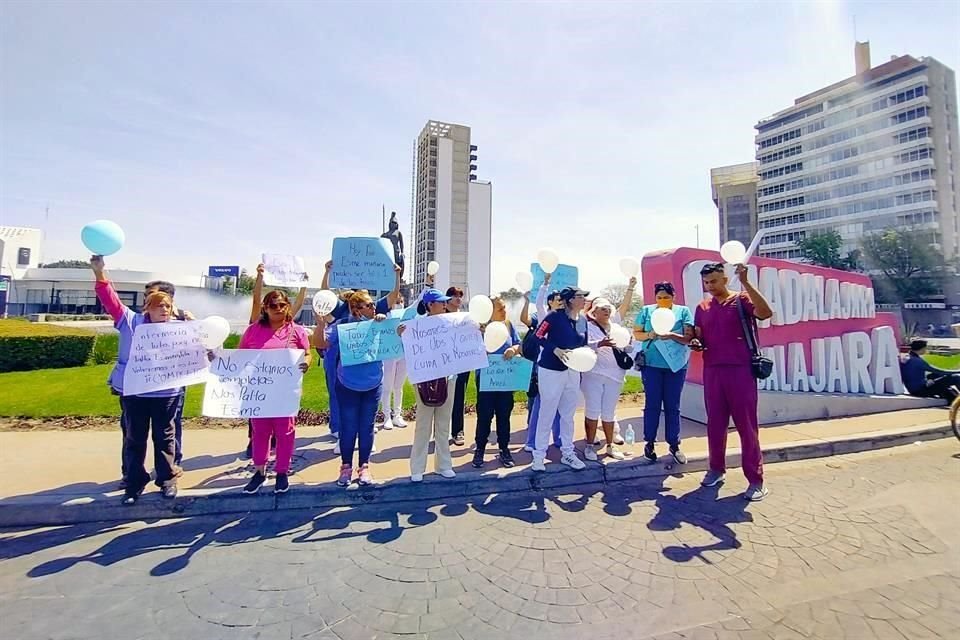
(257,295)
(627,299)
(525,312)
(761,308)
(105,292)
(319,337)
(394,296)
(298,303)
(541,302)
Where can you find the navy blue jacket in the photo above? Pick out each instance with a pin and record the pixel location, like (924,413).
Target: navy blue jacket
(559,330)
(914,372)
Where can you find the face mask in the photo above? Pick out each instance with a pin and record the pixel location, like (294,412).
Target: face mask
(665,304)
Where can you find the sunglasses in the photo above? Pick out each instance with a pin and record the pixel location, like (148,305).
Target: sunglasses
(278,306)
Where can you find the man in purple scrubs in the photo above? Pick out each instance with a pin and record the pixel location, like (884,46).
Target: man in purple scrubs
(729,388)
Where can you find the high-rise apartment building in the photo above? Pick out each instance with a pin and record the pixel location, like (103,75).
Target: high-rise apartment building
(874,151)
(735,193)
(452,214)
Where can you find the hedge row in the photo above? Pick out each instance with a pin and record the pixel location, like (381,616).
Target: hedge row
(25,346)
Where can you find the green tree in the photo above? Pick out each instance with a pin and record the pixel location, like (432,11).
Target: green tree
(615,293)
(245,283)
(67,264)
(511,294)
(824,249)
(907,261)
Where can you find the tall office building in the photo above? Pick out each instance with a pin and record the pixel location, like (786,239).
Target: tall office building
(452,214)
(874,151)
(735,193)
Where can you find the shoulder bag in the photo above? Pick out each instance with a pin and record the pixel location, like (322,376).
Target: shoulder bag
(760,365)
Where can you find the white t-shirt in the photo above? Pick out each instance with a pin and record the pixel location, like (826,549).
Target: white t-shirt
(606,364)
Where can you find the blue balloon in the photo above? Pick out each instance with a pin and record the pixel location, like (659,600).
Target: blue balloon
(102,237)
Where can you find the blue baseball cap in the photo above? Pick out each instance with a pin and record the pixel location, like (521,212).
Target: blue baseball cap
(434,295)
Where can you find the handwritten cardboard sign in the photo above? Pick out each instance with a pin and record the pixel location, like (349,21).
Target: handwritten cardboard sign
(565,275)
(164,355)
(362,263)
(369,341)
(444,345)
(254,383)
(506,375)
(284,271)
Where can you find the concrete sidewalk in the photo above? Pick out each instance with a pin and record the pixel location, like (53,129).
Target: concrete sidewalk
(81,484)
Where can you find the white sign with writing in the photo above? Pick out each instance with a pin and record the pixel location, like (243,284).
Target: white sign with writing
(284,271)
(164,355)
(254,383)
(443,345)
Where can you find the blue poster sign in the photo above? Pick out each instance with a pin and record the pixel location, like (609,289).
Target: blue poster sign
(565,275)
(362,263)
(506,375)
(221,272)
(369,341)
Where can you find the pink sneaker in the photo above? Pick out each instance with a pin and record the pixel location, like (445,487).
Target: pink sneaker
(346,472)
(363,475)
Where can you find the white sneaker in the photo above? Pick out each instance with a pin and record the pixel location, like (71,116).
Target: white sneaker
(398,420)
(528,448)
(590,453)
(615,453)
(336,448)
(538,464)
(572,461)
(448,473)
(387,424)
(417,477)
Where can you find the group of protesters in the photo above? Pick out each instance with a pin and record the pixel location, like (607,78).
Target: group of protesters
(723,327)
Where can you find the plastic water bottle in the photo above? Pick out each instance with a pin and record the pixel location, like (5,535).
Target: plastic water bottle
(629,437)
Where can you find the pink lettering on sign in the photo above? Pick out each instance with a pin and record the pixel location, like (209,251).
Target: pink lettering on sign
(825,335)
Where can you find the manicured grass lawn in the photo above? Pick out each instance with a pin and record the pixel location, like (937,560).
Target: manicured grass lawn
(945,362)
(82,391)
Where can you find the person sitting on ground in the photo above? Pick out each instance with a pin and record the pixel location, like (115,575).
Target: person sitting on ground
(924,380)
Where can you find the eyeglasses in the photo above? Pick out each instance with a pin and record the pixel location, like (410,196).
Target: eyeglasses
(278,306)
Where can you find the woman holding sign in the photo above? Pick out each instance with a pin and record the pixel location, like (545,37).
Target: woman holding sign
(357,392)
(275,330)
(152,413)
(434,405)
(497,404)
(666,356)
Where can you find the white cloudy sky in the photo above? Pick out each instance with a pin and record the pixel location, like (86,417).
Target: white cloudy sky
(214,131)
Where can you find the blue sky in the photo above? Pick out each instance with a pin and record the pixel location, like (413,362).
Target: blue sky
(212,132)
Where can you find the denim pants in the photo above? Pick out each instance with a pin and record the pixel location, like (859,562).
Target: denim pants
(662,388)
(358,410)
(532,417)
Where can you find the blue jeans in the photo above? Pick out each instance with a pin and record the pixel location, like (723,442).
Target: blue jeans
(662,388)
(330,377)
(358,410)
(533,408)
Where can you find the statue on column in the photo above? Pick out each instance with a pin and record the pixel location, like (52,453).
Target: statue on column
(396,239)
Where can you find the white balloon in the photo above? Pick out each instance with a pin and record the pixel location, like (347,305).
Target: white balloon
(662,321)
(213,331)
(324,302)
(433,268)
(548,260)
(582,359)
(495,335)
(524,280)
(481,309)
(733,252)
(620,335)
(629,267)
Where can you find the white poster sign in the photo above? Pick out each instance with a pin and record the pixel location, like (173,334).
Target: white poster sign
(284,271)
(165,355)
(254,383)
(444,345)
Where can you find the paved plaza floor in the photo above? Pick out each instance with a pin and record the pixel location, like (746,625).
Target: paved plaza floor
(849,547)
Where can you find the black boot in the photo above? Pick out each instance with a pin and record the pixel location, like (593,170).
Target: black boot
(649,453)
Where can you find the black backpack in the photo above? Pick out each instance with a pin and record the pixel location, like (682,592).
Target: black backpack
(530,345)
